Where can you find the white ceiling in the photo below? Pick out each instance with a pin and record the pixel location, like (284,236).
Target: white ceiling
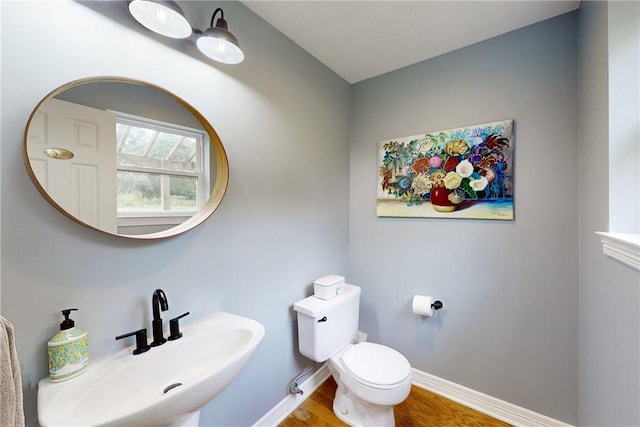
(360,39)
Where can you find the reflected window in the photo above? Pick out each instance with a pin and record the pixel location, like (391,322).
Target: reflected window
(161,169)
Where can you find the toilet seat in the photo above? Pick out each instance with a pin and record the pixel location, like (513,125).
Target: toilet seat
(376,366)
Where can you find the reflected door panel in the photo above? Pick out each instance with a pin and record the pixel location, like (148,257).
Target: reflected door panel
(85,185)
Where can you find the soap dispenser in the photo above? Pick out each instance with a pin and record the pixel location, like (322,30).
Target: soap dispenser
(68,350)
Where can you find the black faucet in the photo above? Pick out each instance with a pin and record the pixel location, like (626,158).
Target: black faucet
(158,302)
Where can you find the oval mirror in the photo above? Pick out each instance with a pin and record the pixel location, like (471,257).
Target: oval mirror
(125,157)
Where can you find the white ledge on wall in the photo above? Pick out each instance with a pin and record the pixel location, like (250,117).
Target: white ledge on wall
(622,247)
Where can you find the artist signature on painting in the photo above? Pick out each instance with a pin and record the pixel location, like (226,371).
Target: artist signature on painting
(499,213)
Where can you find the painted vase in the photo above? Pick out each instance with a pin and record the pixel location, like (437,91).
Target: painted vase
(440,200)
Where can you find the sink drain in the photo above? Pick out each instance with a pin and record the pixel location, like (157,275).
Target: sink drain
(168,388)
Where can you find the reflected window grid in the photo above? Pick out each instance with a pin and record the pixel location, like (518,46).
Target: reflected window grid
(159,167)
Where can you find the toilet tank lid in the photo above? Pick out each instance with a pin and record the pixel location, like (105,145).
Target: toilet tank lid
(315,307)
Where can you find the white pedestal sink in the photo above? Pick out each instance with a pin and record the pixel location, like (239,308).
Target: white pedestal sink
(165,386)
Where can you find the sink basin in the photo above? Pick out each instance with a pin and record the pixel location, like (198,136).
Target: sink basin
(164,386)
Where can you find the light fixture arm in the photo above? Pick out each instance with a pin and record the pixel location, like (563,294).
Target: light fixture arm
(222,23)
(221,17)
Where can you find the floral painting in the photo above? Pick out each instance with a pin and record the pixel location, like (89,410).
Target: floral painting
(458,173)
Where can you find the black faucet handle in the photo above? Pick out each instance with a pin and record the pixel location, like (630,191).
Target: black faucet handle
(142,344)
(174,327)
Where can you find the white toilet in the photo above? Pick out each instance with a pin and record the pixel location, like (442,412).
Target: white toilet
(371,378)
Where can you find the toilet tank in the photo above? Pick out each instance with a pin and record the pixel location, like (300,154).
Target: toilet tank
(325,326)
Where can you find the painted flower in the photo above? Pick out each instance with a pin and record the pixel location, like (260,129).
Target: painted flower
(456,147)
(476,137)
(404,183)
(489,174)
(437,178)
(420,165)
(421,185)
(452,180)
(425,147)
(488,161)
(475,158)
(456,196)
(451,163)
(464,168)
(479,184)
(435,162)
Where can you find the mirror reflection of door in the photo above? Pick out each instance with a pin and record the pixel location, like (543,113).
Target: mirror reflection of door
(84,186)
(145,163)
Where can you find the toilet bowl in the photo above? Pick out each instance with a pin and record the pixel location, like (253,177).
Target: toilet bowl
(371,377)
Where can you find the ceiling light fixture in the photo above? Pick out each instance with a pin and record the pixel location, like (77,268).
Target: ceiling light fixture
(166,18)
(162,17)
(218,43)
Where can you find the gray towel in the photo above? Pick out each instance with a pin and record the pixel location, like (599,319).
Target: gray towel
(11,411)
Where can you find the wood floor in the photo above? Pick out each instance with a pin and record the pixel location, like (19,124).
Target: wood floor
(421,409)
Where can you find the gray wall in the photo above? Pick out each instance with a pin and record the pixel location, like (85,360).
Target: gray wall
(283,118)
(609,291)
(509,327)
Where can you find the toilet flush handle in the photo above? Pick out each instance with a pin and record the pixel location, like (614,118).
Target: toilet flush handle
(324,319)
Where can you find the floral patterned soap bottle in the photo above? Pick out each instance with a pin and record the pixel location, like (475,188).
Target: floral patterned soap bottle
(68,350)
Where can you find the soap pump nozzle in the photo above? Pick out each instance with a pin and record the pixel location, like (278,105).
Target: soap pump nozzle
(67,323)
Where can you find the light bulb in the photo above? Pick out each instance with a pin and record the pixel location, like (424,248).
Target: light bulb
(164,18)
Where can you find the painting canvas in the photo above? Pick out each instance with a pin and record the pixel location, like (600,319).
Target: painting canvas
(465,172)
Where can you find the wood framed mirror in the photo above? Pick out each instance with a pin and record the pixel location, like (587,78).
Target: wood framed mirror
(125,157)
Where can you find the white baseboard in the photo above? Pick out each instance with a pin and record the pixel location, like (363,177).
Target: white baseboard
(499,409)
(287,405)
(504,411)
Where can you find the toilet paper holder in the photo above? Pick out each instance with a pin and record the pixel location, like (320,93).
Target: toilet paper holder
(425,305)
